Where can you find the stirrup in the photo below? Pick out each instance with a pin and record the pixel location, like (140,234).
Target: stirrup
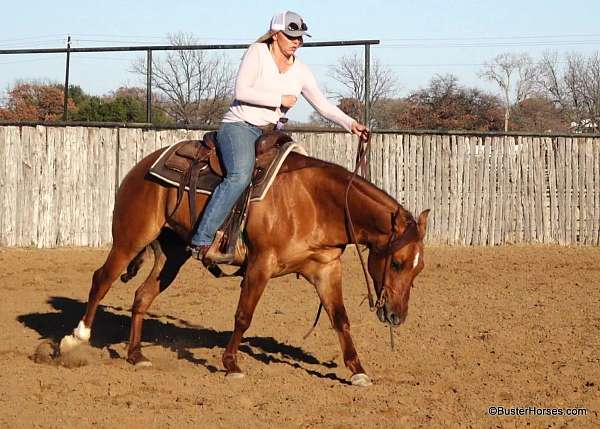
(197,251)
(210,254)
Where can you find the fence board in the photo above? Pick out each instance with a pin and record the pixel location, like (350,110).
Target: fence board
(399,159)
(501,179)
(478,189)
(510,212)
(469,208)
(485,192)
(589,191)
(439,197)
(538,196)
(412,171)
(420,196)
(561,189)
(428,173)
(596,221)
(445,190)
(453,191)
(553,220)
(460,166)
(575,194)
(11,168)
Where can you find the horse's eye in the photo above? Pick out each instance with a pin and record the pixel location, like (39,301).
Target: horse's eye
(396,265)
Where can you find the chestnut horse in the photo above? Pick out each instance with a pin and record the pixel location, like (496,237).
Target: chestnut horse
(301,226)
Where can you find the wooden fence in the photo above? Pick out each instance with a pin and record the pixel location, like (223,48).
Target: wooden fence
(57,184)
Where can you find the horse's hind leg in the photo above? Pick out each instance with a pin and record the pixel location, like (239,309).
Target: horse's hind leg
(169,256)
(102,280)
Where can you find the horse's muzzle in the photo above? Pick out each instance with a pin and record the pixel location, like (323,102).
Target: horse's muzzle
(390,317)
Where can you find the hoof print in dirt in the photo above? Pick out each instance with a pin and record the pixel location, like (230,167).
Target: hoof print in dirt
(45,352)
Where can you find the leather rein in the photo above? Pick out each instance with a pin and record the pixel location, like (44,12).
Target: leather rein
(364,146)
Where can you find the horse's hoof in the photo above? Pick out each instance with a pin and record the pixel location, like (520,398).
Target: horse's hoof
(235,375)
(143,364)
(362,380)
(138,360)
(68,343)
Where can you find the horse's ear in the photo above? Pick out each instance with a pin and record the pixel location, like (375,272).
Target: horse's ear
(394,217)
(422,223)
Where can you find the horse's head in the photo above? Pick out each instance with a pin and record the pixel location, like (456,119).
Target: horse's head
(395,265)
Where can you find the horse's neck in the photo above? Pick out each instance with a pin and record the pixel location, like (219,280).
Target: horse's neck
(371,210)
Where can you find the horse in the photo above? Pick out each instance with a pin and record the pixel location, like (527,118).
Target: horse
(302,226)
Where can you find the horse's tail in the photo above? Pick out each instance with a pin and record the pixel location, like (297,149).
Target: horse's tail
(136,263)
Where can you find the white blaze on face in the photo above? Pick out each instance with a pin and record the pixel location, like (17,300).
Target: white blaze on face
(416,261)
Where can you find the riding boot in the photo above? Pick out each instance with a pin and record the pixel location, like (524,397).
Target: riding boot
(211,254)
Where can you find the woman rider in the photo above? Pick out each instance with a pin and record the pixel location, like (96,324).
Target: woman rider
(268,83)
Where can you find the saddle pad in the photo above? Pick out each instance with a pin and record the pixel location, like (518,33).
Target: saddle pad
(207,183)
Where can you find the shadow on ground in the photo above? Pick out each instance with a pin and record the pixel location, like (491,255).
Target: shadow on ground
(179,336)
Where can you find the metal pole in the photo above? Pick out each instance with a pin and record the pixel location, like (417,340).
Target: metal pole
(367,84)
(368,100)
(66,90)
(149,86)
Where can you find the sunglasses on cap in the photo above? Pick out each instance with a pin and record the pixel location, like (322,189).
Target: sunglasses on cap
(292,26)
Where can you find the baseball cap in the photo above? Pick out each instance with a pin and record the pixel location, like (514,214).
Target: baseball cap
(288,22)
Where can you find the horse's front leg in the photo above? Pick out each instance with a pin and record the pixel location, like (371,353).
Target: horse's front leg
(327,279)
(253,285)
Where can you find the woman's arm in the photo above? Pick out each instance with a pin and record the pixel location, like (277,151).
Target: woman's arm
(312,93)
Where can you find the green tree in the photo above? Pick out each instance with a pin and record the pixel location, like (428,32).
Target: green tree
(124,105)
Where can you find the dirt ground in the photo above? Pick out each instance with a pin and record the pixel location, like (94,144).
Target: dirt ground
(509,326)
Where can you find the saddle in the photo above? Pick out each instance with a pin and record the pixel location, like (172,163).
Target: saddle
(194,166)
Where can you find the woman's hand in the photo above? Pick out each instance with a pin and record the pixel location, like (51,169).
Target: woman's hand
(360,130)
(288,101)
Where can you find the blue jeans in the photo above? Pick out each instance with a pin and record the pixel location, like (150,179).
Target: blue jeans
(235,143)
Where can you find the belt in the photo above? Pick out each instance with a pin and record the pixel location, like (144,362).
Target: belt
(264,128)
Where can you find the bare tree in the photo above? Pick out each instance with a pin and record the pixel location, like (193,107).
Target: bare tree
(350,73)
(514,74)
(590,90)
(194,86)
(574,87)
(548,78)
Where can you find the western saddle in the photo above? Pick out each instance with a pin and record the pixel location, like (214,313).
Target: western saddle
(195,164)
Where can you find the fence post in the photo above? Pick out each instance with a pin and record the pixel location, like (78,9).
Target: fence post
(367,84)
(66,89)
(367,118)
(149,86)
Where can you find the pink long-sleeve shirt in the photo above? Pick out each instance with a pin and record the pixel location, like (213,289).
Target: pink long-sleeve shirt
(259,86)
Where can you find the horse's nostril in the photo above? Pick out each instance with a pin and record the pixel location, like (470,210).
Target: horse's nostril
(394,319)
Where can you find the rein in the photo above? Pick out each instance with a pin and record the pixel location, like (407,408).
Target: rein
(364,146)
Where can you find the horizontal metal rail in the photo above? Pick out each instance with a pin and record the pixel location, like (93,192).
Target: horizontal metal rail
(175,48)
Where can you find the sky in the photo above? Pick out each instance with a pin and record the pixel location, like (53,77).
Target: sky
(418,39)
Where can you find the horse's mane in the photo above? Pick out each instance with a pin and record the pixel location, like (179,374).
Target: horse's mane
(296,161)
